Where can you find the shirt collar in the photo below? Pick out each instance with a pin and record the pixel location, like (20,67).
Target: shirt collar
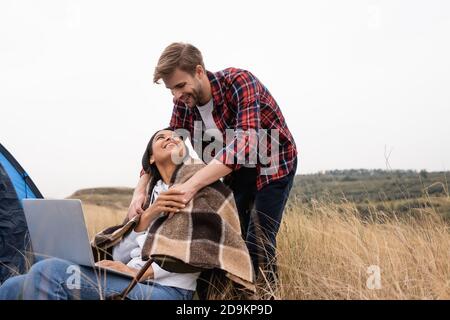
(216,88)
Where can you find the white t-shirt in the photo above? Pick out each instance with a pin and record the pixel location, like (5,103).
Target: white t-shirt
(210,125)
(129,251)
(206,114)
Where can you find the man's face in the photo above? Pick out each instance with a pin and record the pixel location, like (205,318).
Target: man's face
(185,87)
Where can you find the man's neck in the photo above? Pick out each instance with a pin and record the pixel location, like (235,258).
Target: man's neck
(206,94)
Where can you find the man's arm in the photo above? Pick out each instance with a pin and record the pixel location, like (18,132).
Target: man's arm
(139,196)
(244,93)
(202,178)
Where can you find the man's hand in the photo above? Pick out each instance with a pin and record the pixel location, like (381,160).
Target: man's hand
(183,192)
(118,266)
(139,197)
(205,176)
(136,205)
(171,200)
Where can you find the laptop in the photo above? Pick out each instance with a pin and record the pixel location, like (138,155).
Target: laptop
(57,229)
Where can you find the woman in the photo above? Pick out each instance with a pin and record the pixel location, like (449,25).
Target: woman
(53,278)
(184,238)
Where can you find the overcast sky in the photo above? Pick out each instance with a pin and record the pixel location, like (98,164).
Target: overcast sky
(356,80)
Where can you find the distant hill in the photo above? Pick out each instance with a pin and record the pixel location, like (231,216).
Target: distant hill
(116,198)
(360,185)
(397,190)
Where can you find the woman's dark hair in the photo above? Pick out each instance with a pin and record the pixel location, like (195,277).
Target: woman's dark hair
(151,168)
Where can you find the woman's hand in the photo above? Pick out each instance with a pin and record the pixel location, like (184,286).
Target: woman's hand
(118,266)
(169,201)
(184,192)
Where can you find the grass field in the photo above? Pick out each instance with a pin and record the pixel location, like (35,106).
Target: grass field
(329,250)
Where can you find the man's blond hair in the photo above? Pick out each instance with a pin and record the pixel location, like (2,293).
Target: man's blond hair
(183,56)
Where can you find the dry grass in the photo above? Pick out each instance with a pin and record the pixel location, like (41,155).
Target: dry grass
(324,252)
(98,218)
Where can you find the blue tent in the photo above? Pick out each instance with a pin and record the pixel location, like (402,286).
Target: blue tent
(15,185)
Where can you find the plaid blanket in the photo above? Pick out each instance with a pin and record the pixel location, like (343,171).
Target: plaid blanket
(206,234)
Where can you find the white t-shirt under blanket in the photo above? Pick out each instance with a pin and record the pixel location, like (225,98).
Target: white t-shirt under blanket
(129,252)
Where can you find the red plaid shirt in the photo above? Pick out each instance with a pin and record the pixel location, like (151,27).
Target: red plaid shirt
(242,102)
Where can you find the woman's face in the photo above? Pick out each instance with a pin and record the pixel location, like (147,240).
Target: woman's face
(167,145)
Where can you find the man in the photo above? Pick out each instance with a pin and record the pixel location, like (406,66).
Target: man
(231,99)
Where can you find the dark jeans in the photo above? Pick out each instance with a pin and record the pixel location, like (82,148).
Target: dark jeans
(260,213)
